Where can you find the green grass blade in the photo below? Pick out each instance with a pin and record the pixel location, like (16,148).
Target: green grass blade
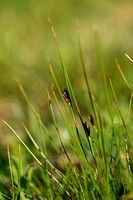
(129,108)
(85,76)
(125,127)
(56,127)
(11,172)
(36,115)
(19,171)
(68,83)
(72,136)
(32,154)
(4,195)
(60,92)
(99,54)
(123,76)
(66,108)
(50,194)
(42,154)
(76,147)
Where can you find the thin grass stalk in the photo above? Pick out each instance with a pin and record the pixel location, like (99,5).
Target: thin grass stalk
(103,142)
(86,80)
(36,115)
(57,130)
(19,171)
(89,90)
(77,131)
(70,90)
(68,85)
(11,172)
(129,108)
(9,182)
(65,184)
(50,195)
(99,54)
(58,172)
(4,195)
(59,90)
(99,159)
(123,76)
(72,136)
(73,140)
(128,86)
(56,127)
(105,158)
(32,153)
(125,127)
(81,188)
(67,80)
(66,109)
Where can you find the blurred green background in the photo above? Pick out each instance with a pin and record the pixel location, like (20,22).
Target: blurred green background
(26,42)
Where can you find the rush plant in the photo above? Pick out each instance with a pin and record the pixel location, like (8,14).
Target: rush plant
(96,161)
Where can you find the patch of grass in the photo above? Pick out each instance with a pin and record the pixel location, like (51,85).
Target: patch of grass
(94,162)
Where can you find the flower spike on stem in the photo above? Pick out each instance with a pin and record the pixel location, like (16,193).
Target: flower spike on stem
(66,96)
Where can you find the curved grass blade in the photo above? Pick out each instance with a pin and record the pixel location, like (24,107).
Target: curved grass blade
(69,159)
(4,195)
(70,104)
(85,76)
(36,115)
(68,84)
(125,127)
(89,168)
(9,182)
(59,90)
(123,76)
(32,154)
(42,154)
(56,127)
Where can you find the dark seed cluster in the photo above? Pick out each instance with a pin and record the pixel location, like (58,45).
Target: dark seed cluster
(66,96)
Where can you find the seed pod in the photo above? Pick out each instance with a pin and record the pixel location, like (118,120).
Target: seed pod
(66,96)
(91,118)
(87,129)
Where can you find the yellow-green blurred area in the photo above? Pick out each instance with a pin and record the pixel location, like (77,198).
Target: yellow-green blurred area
(26,43)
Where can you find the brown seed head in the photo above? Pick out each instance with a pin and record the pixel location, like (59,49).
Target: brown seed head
(91,118)
(66,96)
(87,129)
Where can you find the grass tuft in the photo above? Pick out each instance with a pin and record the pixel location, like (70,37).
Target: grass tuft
(94,161)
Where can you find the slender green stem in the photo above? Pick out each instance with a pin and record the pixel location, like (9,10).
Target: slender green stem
(19,171)
(4,195)
(124,124)
(99,54)
(10,165)
(42,154)
(123,76)
(86,80)
(32,154)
